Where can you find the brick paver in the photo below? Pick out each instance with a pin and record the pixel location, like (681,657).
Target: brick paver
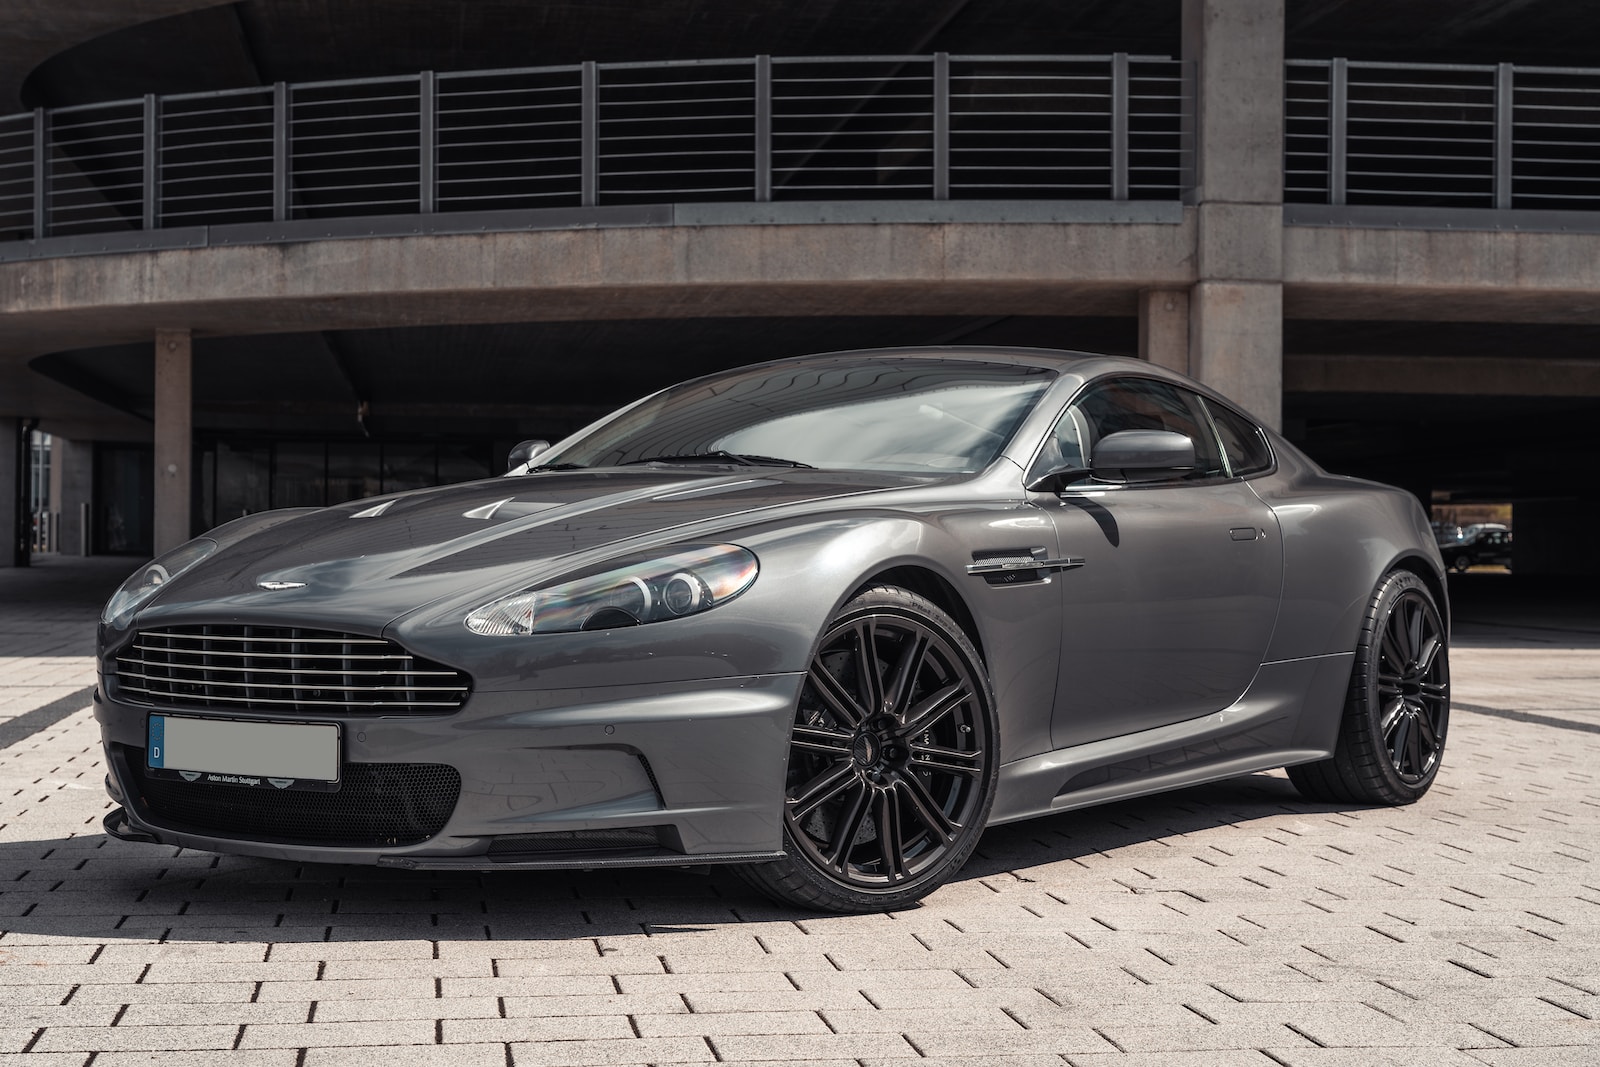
(1232,925)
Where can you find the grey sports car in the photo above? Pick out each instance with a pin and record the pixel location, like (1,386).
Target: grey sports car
(824,618)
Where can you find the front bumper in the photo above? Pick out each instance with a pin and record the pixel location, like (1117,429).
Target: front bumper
(626,775)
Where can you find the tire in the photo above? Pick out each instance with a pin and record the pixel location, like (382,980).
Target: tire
(1397,711)
(1462,562)
(893,760)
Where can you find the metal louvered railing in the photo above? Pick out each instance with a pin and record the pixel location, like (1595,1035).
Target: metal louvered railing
(1497,137)
(930,127)
(266,668)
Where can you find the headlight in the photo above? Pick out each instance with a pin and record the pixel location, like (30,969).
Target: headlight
(149,579)
(687,582)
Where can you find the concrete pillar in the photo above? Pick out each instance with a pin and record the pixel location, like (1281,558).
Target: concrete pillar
(173,437)
(1235,48)
(9,430)
(72,487)
(1236,344)
(1164,328)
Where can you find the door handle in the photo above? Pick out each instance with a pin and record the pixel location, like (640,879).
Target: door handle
(1244,533)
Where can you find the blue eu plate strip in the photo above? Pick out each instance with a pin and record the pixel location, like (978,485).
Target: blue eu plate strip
(158,737)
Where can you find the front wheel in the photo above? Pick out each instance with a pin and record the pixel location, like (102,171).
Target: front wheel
(892,760)
(1391,739)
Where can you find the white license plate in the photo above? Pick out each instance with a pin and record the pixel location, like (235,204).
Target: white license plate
(280,755)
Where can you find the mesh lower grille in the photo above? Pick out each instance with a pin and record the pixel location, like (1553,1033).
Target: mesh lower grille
(377,805)
(280,668)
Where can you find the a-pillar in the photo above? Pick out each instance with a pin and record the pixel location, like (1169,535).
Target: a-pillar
(173,435)
(1235,52)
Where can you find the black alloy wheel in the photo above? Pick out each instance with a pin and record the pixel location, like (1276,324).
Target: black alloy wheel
(892,760)
(1391,739)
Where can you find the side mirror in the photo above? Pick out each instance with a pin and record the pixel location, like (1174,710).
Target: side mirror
(1142,453)
(1130,454)
(525,452)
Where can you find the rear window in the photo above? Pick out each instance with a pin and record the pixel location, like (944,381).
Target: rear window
(1242,441)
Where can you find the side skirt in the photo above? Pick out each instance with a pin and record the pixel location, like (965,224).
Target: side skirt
(1290,714)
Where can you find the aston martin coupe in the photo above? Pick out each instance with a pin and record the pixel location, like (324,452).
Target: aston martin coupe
(824,619)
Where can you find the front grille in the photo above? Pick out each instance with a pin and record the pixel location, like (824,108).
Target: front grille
(277,668)
(376,805)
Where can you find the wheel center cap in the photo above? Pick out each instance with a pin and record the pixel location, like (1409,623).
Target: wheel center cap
(865,749)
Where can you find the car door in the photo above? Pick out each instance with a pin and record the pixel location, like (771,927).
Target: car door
(1172,608)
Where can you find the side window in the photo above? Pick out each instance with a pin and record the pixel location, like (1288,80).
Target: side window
(1109,407)
(1242,440)
(1145,404)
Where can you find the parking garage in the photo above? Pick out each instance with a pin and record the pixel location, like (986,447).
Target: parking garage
(295,272)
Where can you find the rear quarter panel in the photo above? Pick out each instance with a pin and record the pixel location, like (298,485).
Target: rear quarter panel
(1340,537)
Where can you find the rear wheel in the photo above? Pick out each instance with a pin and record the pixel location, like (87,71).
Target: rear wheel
(1391,739)
(892,760)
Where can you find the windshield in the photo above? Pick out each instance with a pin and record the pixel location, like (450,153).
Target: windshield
(915,415)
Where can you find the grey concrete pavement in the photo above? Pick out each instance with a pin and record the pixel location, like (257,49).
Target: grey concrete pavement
(1227,925)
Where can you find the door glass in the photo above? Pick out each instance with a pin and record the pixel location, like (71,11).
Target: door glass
(1109,407)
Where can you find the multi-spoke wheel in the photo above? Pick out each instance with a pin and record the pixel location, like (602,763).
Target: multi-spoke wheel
(892,760)
(1392,736)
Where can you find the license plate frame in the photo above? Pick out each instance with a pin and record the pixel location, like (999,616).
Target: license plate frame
(245,753)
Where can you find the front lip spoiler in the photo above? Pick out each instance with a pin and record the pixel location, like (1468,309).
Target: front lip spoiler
(573,861)
(117,825)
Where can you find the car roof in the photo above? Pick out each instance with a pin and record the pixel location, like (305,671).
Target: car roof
(1083,365)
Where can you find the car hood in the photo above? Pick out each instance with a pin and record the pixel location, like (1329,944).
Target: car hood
(362,564)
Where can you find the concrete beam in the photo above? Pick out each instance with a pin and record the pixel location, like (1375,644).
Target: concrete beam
(1441,275)
(568,275)
(174,438)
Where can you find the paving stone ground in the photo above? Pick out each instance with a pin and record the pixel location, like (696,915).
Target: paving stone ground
(1233,925)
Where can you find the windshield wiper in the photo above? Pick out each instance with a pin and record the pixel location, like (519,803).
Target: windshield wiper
(722,456)
(555,467)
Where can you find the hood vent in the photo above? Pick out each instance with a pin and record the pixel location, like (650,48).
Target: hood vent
(376,509)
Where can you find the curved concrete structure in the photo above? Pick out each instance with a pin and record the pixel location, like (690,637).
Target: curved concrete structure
(1208,285)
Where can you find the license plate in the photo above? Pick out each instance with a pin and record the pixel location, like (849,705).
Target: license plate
(268,755)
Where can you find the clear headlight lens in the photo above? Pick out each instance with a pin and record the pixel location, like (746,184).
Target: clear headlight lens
(686,582)
(148,580)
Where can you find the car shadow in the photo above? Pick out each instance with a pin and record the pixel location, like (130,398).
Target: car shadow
(97,888)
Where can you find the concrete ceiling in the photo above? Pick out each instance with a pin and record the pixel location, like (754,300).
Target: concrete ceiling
(76,51)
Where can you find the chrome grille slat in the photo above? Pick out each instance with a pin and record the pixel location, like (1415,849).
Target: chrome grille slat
(275,655)
(377,642)
(295,703)
(277,668)
(297,672)
(257,684)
